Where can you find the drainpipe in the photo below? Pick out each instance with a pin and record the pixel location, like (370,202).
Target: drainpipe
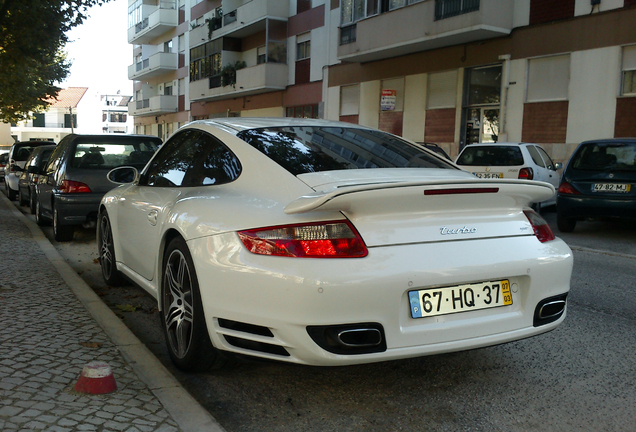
(505,84)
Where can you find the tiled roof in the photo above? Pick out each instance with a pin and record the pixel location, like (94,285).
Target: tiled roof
(69,97)
(125,100)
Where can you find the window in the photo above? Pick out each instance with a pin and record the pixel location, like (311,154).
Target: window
(536,157)
(629,71)
(192,158)
(484,85)
(302,6)
(167,46)
(205,60)
(314,149)
(351,11)
(349,100)
(108,155)
(167,89)
(38,120)
(303,46)
(546,158)
(548,78)
(306,111)
(261,55)
(450,8)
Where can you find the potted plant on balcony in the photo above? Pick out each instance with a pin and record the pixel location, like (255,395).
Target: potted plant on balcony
(228,73)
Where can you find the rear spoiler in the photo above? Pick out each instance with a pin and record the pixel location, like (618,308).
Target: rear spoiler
(338,200)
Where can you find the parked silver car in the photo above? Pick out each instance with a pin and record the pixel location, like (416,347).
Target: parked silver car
(18,156)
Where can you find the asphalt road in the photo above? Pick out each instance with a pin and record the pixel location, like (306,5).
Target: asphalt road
(579,377)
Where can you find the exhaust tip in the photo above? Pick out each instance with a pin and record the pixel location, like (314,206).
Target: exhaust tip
(349,339)
(550,310)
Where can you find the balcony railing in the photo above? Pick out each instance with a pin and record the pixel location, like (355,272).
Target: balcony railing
(450,8)
(157,21)
(154,105)
(154,65)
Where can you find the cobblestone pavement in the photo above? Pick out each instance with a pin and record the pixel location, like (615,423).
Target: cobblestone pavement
(46,338)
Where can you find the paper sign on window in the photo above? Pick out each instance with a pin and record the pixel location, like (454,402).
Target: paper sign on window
(388,99)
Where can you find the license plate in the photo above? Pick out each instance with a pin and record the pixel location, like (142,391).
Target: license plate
(460,298)
(488,175)
(611,187)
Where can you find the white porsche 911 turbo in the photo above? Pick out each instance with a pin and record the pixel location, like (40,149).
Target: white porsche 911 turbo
(327,243)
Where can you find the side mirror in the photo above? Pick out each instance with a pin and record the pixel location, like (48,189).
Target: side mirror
(17,168)
(123,175)
(558,166)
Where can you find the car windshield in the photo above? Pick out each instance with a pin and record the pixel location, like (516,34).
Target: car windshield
(491,156)
(602,156)
(305,149)
(105,155)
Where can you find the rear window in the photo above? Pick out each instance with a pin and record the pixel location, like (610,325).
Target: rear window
(601,156)
(22,152)
(306,149)
(491,156)
(106,155)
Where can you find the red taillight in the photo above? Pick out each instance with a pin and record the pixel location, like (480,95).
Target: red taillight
(541,228)
(567,189)
(70,186)
(526,173)
(460,191)
(335,239)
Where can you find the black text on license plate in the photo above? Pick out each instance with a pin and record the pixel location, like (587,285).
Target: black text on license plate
(460,298)
(611,187)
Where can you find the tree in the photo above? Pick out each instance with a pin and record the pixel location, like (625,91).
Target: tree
(32,57)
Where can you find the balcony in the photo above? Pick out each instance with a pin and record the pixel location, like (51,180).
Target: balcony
(262,78)
(155,105)
(155,65)
(424,26)
(157,22)
(250,18)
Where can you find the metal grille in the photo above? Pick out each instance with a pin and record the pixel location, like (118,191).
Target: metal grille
(451,8)
(347,35)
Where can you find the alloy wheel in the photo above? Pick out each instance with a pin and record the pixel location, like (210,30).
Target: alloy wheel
(177,301)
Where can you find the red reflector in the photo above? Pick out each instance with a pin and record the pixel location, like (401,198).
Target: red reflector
(460,191)
(526,173)
(541,228)
(70,186)
(335,239)
(567,189)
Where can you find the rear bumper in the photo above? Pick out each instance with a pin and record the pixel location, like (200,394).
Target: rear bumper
(582,207)
(75,209)
(274,302)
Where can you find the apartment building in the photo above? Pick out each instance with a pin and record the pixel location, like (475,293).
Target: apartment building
(453,72)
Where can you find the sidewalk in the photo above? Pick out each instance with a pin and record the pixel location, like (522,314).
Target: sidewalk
(51,325)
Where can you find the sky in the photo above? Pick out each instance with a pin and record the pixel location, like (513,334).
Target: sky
(100,51)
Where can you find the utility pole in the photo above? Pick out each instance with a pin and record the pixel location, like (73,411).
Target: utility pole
(70,110)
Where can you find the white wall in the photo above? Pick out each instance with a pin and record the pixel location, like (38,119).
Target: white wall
(584,7)
(521,14)
(415,89)
(594,84)
(369,114)
(516,99)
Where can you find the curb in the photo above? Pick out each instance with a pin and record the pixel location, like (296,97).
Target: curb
(184,409)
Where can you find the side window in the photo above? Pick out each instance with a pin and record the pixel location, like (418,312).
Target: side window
(547,159)
(536,157)
(193,158)
(54,160)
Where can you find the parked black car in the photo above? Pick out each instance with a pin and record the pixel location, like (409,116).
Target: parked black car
(33,167)
(18,155)
(74,180)
(598,182)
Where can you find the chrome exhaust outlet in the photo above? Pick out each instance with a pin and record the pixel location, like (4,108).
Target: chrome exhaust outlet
(549,310)
(360,338)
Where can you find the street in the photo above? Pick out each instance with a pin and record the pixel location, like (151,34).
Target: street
(579,377)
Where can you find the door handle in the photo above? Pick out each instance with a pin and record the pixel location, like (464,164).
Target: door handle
(152,217)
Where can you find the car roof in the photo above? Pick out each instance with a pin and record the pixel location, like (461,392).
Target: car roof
(611,140)
(238,124)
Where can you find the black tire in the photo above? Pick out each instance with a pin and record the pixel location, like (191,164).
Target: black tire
(106,249)
(182,317)
(32,202)
(21,200)
(39,219)
(565,225)
(61,233)
(11,193)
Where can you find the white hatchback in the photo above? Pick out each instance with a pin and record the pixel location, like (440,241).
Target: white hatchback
(526,161)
